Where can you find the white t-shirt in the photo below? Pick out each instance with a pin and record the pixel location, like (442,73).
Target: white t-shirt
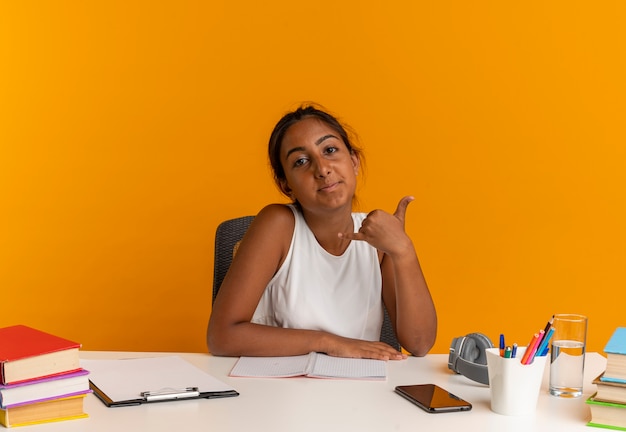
(316,290)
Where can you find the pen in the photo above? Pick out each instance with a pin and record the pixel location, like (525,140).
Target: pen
(533,348)
(501,345)
(514,350)
(507,352)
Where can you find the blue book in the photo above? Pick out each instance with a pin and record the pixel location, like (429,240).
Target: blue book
(617,343)
(615,351)
(613,380)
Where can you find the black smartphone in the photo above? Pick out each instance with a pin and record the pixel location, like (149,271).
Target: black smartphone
(432,398)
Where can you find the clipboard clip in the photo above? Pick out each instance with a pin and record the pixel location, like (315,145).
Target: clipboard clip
(166,394)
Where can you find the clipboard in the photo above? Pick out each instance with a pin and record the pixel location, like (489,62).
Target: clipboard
(127,382)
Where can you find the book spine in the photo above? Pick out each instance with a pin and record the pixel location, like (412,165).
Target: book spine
(605,426)
(63,396)
(613,380)
(51,420)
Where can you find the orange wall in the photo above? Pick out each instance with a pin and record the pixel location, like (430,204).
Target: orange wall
(129,130)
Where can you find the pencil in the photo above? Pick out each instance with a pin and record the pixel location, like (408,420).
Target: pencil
(529,355)
(544,342)
(531,344)
(545,330)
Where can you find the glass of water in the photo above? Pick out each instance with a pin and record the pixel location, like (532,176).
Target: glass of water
(567,356)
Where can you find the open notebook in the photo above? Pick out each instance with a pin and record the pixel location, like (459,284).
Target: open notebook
(315,365)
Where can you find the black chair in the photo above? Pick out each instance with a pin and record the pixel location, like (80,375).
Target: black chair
(229,233)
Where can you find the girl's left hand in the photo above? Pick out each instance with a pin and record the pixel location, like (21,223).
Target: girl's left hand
(385,231)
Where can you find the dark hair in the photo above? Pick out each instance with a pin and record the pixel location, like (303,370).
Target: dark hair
(293,117)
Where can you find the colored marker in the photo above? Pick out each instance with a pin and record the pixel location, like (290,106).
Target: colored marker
(507,352)
(501,345)
(514,350)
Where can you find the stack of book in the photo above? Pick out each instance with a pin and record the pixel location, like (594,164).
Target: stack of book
(608,404)
(40,377)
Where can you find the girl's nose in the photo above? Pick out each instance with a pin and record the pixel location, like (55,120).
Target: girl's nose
(322,168)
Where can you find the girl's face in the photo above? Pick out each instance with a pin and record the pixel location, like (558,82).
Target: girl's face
(320,171)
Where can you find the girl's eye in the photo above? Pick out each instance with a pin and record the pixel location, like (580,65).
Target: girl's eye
(299,162)
(331,149)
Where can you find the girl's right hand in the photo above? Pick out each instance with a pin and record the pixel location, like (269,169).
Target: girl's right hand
(356,348)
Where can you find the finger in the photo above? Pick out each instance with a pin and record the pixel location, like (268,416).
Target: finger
(352,236)
(400,212)
(391,354)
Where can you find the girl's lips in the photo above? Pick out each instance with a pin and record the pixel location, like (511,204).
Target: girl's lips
(329,187)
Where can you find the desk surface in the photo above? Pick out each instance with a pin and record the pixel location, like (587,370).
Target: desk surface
(308,404)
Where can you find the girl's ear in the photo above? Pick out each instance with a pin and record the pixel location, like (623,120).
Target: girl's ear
(356,162)
(284,188)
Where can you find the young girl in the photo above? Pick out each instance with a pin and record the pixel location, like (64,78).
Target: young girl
(312,275)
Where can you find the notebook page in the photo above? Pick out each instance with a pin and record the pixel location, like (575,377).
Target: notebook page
(350,368)
(271,367)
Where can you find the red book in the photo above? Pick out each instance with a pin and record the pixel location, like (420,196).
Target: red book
(27,353)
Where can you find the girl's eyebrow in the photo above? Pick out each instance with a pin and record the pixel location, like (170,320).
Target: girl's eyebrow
(317,142)
(324,138)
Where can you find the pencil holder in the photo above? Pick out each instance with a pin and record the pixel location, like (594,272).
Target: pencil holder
(514,387)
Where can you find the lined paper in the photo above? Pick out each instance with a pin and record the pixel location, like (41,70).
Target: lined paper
(272,367)
(349,368)
(315,365)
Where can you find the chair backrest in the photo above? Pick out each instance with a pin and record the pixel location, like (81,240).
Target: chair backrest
(229,233)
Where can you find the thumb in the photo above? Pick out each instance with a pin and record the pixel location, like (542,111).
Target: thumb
(400,212)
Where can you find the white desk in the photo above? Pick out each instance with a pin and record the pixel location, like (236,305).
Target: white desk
(307,404)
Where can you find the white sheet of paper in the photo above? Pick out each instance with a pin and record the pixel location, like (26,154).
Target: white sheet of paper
(125,379)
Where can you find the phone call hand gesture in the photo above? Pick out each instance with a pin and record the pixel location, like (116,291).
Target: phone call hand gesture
(383,230)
